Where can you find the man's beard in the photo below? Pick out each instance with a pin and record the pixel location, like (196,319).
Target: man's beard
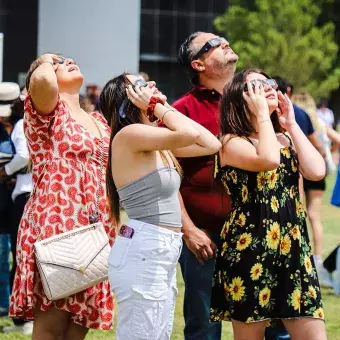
(226,66)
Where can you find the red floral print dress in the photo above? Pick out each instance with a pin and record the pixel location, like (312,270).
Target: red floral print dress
(66,165)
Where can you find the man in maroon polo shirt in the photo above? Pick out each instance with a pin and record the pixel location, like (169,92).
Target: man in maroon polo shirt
(211,65)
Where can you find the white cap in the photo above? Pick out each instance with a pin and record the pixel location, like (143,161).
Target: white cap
(8,92)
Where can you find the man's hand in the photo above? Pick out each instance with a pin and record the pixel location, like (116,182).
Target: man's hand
(199,242)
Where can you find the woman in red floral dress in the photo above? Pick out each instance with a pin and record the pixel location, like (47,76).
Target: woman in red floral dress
(65,149)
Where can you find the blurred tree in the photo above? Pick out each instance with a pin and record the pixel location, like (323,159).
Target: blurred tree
(283,38)
(331,12)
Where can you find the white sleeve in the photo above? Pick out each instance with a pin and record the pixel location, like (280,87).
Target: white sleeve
(21,157)
(331,114)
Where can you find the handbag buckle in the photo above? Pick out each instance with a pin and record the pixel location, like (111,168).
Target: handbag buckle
(93,218)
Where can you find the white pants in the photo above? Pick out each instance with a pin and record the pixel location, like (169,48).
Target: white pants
(142,273)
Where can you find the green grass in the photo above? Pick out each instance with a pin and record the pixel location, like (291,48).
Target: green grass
(331,220)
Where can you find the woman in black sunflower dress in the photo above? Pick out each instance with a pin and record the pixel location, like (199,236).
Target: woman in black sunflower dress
(264,268)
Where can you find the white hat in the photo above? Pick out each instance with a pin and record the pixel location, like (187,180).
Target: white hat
(8,93)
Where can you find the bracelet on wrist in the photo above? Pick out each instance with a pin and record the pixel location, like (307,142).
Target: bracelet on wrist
(162,119)
(265,120)
(151,108)
(46,61)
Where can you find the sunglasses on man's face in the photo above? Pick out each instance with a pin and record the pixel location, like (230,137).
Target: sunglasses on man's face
(215,42)
(138,82)
(269,82)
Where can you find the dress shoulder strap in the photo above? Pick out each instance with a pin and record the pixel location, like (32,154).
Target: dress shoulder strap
(249,140)
(217,165)
(288,137)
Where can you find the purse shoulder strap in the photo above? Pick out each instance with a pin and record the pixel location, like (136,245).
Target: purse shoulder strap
(93,218)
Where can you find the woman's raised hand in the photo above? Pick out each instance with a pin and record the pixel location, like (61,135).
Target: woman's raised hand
(50,58)
(256,100)
(140,96)
(286,111)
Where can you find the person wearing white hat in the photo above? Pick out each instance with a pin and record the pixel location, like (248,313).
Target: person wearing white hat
(8,93)
(11,115)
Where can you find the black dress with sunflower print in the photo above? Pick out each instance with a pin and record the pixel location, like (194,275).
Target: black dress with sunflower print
(264,268)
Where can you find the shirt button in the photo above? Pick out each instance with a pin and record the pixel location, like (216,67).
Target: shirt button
(213,92)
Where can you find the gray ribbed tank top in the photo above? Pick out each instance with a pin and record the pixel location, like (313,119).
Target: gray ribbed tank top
(154,198)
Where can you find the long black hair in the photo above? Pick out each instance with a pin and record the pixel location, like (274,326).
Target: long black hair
(110,102)
(235,113)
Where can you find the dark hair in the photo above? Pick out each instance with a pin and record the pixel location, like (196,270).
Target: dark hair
(110,100)
(3,134)
(186,53)
(17,111)
(283,84)
(323,102)
(235,113)
(32,68)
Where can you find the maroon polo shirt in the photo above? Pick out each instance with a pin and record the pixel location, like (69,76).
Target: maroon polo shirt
(207,203)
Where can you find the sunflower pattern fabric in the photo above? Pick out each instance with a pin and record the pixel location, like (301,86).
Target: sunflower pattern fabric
(264,268)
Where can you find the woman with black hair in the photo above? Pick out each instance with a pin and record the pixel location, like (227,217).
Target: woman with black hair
(264,268)
(144,177)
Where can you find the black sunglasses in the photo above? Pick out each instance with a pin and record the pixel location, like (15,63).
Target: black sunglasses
(61,60)
(138,82)
(215,42)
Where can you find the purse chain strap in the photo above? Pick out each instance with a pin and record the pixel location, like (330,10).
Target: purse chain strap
(92,218)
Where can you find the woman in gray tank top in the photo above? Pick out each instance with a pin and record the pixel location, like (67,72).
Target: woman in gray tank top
(144,178)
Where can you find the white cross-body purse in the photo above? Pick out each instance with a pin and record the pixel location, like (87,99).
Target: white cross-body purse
(73,261)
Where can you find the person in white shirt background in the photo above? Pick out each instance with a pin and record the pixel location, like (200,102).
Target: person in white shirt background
(11,116)
(324,113)
(314,190)
(327,116)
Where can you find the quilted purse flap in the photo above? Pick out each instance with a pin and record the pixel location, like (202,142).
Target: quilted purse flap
(74,249)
